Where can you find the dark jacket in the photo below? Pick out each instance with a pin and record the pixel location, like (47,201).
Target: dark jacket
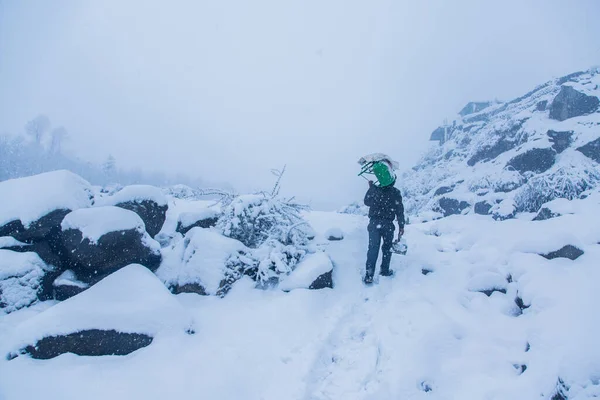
(385,204)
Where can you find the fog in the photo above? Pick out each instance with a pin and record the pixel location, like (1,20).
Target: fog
(227,90)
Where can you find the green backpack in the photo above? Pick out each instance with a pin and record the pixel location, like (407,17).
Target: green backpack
(383,173)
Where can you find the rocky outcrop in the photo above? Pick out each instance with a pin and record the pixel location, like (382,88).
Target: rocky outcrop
(482,208)
(449,206)
(571,103)
(591,150)
(535,160)
(560,140)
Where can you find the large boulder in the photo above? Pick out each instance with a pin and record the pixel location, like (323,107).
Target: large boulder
(535,160)
(448,206)
(314,272)
(32,208)
(121,313)
(148,202)
(570,103)
(101,240)
(205,218)
(66,285)
(21,278)
(205,263)
(561,140)
(591,150)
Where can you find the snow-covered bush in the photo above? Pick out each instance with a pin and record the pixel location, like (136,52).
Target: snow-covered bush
(564,182)
(354,209)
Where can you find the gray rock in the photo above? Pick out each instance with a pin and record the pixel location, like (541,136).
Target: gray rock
(187,221)
(443,190)
(570,103)
(474,107)
(560,140)
(114,250)
(323,281)
(544,214)
(535,160)
(92,342)
(541,106)
(482,208)
(46,226)
(591,150)
(153,214)
(490,152)
(568,251)
(449,206)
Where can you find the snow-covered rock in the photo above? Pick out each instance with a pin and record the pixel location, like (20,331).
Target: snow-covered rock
(205,218)
(204,262)
(131,300)
(569,251)
(21,276)
(100,240)
(334,234)
(148,202)
(313,272)
(32,208)
(488,283)
(521,152)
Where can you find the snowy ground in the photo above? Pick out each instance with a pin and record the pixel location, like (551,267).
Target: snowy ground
(414,336)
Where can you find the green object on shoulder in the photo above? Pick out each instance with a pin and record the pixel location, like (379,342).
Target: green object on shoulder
(383,173)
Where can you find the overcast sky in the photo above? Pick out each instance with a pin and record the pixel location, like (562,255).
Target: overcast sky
(228,89)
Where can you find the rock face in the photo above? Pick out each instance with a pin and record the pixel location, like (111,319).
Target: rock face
(560,140)
(92,342)
(570,103)
(449,206)
(99,241)
(516,153)
(535,160)
(591,150)
(568,251)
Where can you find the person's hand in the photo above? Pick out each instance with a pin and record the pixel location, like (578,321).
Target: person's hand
(400,233)
(370,183)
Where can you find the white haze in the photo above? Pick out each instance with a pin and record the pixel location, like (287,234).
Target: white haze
(228,89)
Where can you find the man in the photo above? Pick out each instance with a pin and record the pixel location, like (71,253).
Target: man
(385,205)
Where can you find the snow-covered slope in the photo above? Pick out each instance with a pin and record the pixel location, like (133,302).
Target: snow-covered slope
(506,158)
(474,312)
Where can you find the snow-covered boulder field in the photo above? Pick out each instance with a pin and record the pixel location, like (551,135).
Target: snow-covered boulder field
(478,309)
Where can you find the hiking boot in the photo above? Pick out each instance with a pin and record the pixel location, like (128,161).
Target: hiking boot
(368,280)
(389,272)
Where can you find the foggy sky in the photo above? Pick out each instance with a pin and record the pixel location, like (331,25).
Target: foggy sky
(228,89)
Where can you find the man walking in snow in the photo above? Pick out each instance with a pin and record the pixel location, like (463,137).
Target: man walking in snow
(385,205)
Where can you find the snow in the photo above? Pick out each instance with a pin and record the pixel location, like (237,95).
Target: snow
(20,278)
(388,341)
(199,258)
(135,193)
(307,271)
(9,241)
(98,221)
(189,218)
(29,199)
(130,300)
(68,278)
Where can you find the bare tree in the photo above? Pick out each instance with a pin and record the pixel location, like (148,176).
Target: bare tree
(37,127)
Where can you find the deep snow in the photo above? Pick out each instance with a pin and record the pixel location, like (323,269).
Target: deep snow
(414,336)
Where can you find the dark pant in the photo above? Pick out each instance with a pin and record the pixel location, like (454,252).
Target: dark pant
(379,230)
